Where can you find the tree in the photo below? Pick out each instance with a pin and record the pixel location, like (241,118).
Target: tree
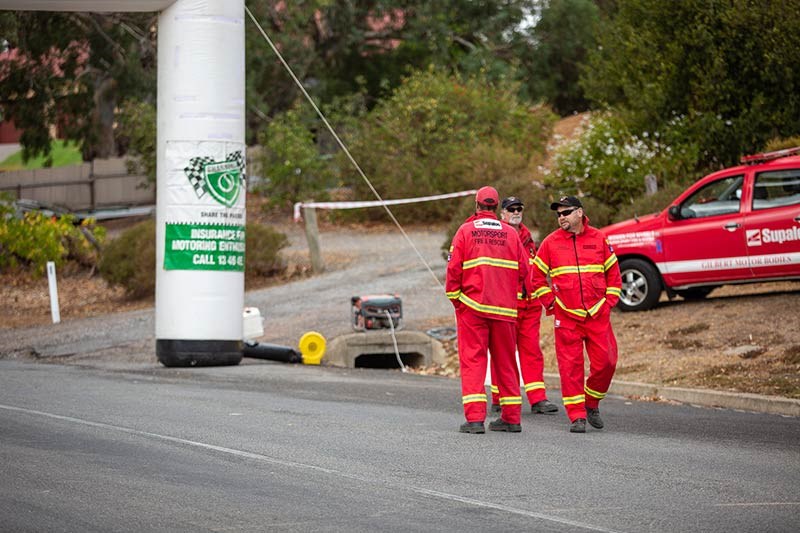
(69,70)
(440,133)
(341,47)
(563,35)
(728,66)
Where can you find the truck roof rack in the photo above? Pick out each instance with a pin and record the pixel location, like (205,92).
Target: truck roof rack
(768,156)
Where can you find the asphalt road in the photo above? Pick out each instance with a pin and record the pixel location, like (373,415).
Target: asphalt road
(274,447)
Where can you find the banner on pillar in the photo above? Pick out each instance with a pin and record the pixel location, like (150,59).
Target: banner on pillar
(205,197)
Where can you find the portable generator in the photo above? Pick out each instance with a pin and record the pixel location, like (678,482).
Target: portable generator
(377,311)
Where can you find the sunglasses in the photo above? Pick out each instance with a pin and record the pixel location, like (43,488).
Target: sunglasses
(514,209)
(566,212)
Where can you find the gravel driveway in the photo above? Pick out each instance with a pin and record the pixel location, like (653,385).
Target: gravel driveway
(360,262)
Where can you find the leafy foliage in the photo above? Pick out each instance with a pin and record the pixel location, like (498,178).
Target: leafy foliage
(33,239)
(137,127)
(291,163)
(608,162)
(68,69)
(564,34)
(130,259)
(438,133)
(728,67)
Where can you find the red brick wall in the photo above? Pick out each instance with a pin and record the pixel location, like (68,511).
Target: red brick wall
(8,133)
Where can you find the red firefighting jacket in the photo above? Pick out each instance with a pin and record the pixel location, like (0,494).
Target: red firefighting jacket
(487,267)
(583,270)
(525,297)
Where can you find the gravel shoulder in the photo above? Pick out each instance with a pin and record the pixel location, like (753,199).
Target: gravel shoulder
(740,339)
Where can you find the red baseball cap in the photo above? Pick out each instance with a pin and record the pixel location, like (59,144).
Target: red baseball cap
(487,196)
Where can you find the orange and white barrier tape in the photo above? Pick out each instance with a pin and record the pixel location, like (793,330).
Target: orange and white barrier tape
(374,203)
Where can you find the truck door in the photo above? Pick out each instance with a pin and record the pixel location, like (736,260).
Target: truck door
(706,243)
(772,224)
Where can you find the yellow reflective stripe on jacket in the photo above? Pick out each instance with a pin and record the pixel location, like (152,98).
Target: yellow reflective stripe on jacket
(583,313)
(583,269)
(471,398)
(610,261)
(616,291)
(511,400)
(534,385)
(596,307)
(490,261)
(594,393)
(541,264)
(573,400)
(577,312)
(492,309)
(454,295)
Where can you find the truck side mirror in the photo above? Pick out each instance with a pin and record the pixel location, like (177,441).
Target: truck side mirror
(674,212)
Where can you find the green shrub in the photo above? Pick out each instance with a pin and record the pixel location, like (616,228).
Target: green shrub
(130,259)
(781,144)
(646,205)
(608,162)
(263,245)
(438,133)
(33,240)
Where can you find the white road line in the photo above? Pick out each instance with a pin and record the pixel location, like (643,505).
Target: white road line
(293,464)
(754,504)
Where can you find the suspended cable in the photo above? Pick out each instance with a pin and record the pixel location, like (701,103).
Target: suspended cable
(341,144)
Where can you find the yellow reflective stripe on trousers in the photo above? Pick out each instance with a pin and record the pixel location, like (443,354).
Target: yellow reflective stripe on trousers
(573,400)
(511,400)
(494,389)
(594,393)
(470,398)
(534,385)
(490,261)
(492,309)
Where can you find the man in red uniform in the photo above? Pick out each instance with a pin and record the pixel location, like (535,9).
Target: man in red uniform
(486,269)
(586,284)
(529,317)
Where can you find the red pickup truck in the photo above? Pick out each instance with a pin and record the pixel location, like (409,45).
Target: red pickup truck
(738,225)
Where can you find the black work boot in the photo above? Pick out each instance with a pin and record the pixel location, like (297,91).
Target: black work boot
(495,407)
(593,417)
(544,407)
(502,425)
(578,426)
(472,427)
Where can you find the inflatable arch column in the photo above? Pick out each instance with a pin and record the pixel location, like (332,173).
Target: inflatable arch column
(200,215)
(201,183)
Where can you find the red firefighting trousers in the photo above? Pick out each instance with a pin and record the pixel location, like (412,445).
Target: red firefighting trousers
(531,359)
(601,348)
(476,334)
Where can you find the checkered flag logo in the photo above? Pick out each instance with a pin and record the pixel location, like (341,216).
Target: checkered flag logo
(197,175)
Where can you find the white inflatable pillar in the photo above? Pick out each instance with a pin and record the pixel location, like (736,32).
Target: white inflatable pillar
(200,217)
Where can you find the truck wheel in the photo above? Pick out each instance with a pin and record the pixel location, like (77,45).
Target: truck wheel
(695,293)
(641,285)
